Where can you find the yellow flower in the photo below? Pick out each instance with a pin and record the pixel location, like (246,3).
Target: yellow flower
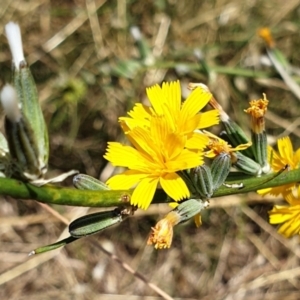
(182,118)
(289,215)
(165,139)
(154,160)
(278,160)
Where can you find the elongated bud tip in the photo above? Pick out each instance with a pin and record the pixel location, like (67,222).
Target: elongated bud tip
(31,253)
(194,85)
(13,34)
(10,104)
(266,35)
(136,33)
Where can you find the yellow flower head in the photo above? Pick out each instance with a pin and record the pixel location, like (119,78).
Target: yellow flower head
(278,160)
(165,141)
(162,234)
(289,215)
(182,118)
(154,160)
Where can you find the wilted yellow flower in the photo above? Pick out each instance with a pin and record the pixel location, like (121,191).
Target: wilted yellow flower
(278,160)
(154,160)
(162,234)
(217,146)
(257,110)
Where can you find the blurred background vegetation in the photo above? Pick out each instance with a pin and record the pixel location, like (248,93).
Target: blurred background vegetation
(90,69)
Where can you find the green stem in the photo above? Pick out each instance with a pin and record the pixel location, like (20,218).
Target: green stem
(110,198)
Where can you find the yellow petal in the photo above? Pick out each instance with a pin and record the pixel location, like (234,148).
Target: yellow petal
(195,102)
(174,186)
(187,126)
(293,196)
(140,111)
(285,148)
(125,180)
(276,190)
(276,161)
(172,94)
(197,220)
(116,153)
(242,146)
(263,192)
(141,140)
(186,160)
(208,119)
(144,192)
(197,141)
(156,97)
(128,124)
(297,157)
(289,228)
(173,204)
(173,145)
(289,216)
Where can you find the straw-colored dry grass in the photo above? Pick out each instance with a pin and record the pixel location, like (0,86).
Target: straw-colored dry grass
(74,49)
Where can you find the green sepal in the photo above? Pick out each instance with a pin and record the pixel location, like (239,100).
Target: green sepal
(203,182)
(23,150)
(246,165)
(189,208)
(186,176)
(31,111)
(4,157)
(53,246)
(236,136)
(93,223)
(86,182)
(260,146)
(220,169)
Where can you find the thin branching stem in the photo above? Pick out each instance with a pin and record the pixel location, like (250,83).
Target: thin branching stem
(71,196)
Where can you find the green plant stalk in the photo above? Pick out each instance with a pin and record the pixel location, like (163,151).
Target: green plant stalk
(68,196)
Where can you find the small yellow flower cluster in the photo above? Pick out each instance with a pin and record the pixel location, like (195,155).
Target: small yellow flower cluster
(288,215)
(165,139)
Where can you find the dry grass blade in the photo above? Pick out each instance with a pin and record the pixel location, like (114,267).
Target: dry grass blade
(95,28)
(136,274)
(268,228)
(60,36)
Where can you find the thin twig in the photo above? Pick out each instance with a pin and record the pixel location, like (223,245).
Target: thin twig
(136,274)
